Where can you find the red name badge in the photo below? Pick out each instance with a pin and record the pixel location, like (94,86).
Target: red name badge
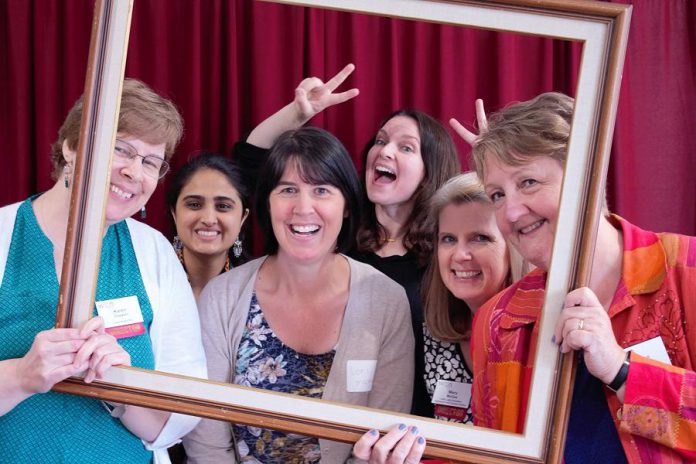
(125,331)
(450,412)
(122,316)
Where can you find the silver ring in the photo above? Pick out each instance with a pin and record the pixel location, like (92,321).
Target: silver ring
(581,324)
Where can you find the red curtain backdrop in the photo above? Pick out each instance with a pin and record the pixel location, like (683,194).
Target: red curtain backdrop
(229,64)
(652,177)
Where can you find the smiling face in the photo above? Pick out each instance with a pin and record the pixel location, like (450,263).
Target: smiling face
(209,213)
(130,187)
(306,218)
(526,202)
(471,252)
(394,168)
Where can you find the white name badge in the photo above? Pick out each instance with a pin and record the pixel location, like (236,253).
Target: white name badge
(122,316)
(653,349)
(448,393)
(360,374)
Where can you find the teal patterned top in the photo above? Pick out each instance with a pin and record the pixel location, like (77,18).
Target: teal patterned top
(264,361)
(55,427)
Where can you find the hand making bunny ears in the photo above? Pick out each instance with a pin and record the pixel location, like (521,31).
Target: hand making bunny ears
(313,95)
(468,136)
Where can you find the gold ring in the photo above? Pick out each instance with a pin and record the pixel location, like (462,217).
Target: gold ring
(581,324)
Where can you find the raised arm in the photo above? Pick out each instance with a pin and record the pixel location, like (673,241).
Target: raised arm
(312,97)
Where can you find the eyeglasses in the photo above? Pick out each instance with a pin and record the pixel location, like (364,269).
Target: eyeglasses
(153,166)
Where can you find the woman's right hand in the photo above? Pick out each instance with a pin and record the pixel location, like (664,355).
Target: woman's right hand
(313,96)
(49,360)
(401,444)
(468,136)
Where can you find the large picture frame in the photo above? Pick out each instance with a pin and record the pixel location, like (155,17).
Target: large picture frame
(601,28)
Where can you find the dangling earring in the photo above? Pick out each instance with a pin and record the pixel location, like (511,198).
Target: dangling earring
(177,244)
(178,248)
(143,213)
(66,179)
(237,248)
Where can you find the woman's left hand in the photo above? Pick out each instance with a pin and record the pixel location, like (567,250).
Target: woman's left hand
(401,445)
(100,351)
(312,95)
(584,325)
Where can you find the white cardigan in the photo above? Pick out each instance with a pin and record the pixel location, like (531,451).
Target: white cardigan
(175,330)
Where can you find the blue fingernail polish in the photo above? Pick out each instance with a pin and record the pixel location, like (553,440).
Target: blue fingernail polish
(553,339)
(374,432)
(414,430)
(421,440)
(402,426)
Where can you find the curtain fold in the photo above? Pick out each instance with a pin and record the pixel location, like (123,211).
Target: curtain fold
(229,64)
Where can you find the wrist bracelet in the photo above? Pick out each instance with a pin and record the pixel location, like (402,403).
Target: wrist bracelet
(621,376)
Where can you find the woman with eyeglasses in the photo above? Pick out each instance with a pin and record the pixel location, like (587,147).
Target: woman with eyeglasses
(631,328)
(139,276)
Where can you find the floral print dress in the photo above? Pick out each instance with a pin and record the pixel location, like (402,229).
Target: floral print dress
(264,361)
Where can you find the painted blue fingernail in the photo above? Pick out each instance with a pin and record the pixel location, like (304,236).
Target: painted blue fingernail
(374,432)
(553,339)
(402,426)
(421,440)
(414,430)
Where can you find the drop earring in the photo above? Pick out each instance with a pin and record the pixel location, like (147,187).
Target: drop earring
(66,178)
(179,249)
(237,248)
(143,213)
(177,244)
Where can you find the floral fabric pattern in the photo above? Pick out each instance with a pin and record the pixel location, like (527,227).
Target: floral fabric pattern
(444,361)
(264,361)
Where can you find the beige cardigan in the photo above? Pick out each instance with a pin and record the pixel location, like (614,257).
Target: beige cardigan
(376,325)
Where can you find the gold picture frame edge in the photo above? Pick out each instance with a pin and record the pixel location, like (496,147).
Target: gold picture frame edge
(617,18)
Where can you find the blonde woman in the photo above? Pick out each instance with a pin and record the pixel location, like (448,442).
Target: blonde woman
(471,264)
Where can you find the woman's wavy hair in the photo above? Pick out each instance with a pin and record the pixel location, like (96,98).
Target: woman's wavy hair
(441,162)
(527,130)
